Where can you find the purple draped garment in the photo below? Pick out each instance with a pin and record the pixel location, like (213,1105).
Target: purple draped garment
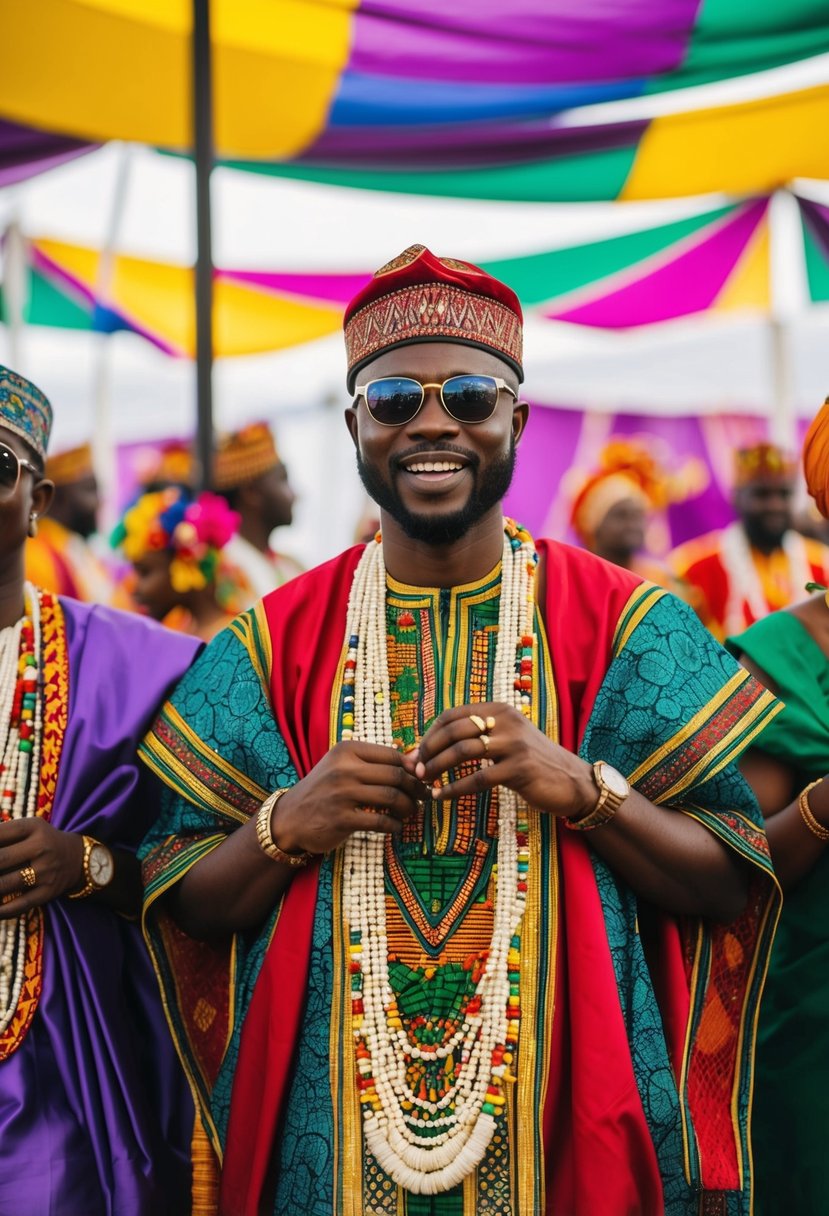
(95,1113)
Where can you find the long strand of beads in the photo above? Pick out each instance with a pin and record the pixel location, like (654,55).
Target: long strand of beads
(485,1041)
(21,731)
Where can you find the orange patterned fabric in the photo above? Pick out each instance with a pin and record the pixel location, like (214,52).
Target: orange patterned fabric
(816,459)
(205,1192)
(719,1035)
(55,709)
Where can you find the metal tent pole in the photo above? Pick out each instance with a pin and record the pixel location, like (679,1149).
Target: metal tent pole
(203,152)
(104,456)
(786,305)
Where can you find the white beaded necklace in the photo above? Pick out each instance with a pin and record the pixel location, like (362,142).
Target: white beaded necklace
(19,775)
(394,1116)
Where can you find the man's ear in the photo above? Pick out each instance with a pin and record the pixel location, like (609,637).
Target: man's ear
(42,495)
(520,414)
(351,423)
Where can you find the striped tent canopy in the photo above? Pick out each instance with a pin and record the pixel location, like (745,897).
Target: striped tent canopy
(714,261)
(156,301)
(815,220)
(480,100)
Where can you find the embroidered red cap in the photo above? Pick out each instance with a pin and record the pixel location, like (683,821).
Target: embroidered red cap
(418,297)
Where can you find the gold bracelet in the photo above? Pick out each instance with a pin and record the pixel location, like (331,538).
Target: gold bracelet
(265,837)
(814,826)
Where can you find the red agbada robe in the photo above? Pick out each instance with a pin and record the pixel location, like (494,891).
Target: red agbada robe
(599,1154)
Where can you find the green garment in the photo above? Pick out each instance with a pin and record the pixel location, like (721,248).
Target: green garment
(791,1104)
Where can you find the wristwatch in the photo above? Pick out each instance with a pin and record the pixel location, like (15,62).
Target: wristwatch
(613,790)
(98,868)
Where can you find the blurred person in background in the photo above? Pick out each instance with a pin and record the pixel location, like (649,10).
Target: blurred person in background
(170,464)
(95,1112)
(59,556)
(174,543)
(614,505)
(789,652)
(759,563)
(251,476)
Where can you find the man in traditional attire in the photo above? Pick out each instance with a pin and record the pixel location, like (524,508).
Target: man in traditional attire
(759,563)
(95,1115)
(458,899)
(613,504)
(250,474)
(59,556)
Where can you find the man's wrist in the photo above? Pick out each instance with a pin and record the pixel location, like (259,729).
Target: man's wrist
(283,850)
(587,795)
(611,790)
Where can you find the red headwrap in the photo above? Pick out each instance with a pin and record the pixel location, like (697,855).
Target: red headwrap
(418,297)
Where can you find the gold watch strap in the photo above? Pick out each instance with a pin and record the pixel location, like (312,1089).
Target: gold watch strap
(89,843)
(606,806)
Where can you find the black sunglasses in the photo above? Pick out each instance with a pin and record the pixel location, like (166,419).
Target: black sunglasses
(10,466)
(396,400)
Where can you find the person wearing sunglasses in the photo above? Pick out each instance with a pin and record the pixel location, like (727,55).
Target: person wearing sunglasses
(94,1109)
(458,819)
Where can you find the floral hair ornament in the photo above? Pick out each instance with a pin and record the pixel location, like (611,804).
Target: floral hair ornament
(194,530)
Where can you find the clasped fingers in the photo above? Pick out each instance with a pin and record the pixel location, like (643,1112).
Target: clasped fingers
(486,734)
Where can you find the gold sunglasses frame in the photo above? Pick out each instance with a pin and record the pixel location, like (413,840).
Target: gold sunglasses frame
(360,390)
(22,463)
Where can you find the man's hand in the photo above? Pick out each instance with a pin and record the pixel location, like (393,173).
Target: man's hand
(50,859)
(356,787)
(509,751)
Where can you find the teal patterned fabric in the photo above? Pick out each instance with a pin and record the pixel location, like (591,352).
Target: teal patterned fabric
(666,672)
(306,1168)
(224,702)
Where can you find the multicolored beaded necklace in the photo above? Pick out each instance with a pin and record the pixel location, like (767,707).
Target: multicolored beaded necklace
(428,1143)
(21,732)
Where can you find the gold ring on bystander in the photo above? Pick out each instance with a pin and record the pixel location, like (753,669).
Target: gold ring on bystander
(28,877)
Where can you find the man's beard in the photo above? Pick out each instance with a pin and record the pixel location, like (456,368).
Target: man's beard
(441,529)
(762,537)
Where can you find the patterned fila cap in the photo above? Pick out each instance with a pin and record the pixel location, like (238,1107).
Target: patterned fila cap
(418,297)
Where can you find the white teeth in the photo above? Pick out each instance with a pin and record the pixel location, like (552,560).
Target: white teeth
(435,466)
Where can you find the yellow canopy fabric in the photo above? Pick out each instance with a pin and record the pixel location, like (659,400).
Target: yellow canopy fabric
(121,69)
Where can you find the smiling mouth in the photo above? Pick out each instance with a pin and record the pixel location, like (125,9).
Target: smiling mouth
(434,470)
(432,467)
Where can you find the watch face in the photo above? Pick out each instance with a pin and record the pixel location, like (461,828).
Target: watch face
(614,781)
(101,867)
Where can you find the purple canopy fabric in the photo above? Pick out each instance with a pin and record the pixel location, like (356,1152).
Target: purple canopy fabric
(25,151)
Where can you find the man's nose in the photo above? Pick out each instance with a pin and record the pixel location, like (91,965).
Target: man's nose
(432,419)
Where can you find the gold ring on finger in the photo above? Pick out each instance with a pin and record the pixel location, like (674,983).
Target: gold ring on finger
(490,724)
(485,740)
(28,877)
(478,723)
